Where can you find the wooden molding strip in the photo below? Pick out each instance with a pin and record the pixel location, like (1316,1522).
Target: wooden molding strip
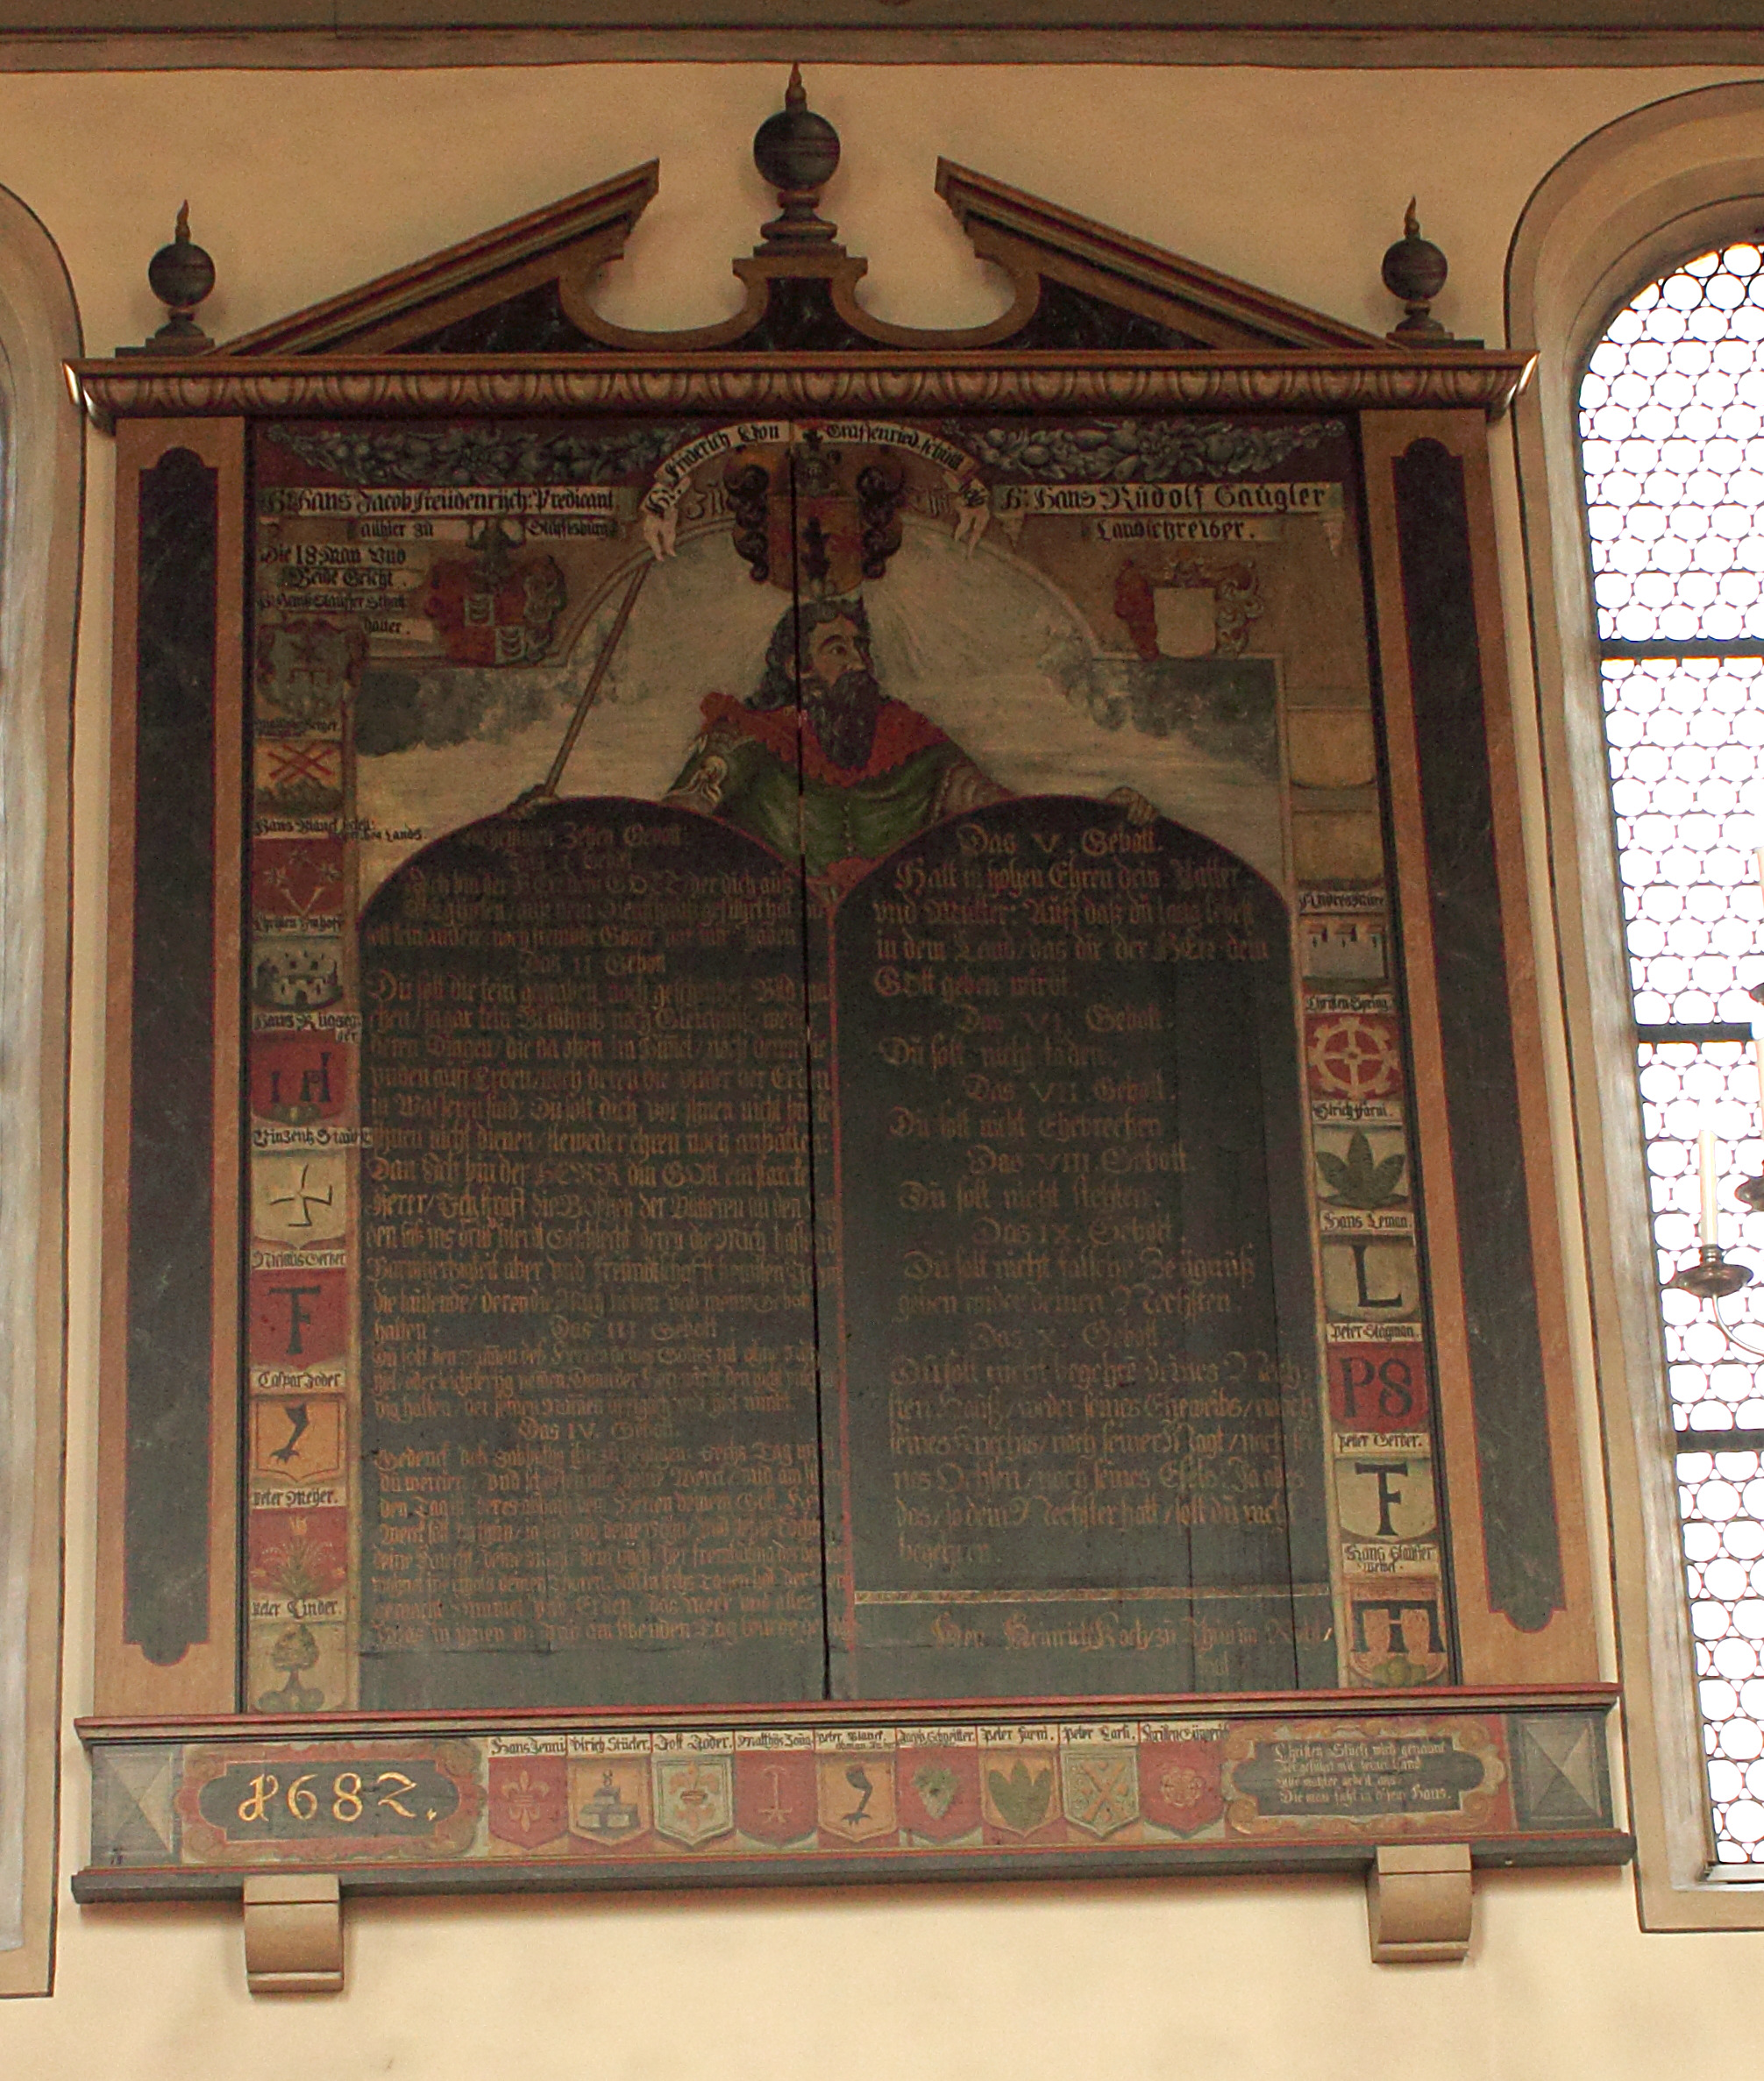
(99,1730)
(1371,45)
(1185,1860)
(218,384)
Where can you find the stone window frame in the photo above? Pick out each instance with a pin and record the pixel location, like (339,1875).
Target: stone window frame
(42,467)
(1662,185)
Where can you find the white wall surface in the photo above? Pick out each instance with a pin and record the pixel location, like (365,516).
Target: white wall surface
(304,184)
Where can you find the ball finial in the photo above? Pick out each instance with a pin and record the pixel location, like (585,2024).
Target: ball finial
(1414,272)
(797,151)
(181,275)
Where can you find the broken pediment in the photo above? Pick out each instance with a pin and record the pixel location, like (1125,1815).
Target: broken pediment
(527,287)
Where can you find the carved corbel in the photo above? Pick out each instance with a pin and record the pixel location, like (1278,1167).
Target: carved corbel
(1418,1903)
(294,1933)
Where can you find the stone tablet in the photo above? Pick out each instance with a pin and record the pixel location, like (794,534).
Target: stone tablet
(589,1429)
(1075,1326)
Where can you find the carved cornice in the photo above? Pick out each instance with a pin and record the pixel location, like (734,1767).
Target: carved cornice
(576,237)
(1031,239)
(388,385)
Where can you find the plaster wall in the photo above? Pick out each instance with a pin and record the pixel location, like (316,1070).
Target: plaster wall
(302,184)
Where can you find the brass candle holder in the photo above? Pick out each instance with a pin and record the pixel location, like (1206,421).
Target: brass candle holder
(1713,1276)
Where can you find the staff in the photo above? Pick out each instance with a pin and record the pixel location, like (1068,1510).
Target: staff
(547,788)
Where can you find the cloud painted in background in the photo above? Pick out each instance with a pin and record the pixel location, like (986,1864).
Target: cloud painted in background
(983,645)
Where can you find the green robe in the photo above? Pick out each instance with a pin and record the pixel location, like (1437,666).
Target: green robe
(815,813)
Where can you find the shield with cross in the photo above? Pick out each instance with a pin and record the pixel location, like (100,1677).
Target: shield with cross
(298,1200)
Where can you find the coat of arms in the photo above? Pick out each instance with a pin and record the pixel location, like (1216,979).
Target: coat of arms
(529,1801)
(1017,1794)
(1179,1782)
(856,1795)
(695,1797)
(609,1798)
(774,1794)
(940,1792)
(1100,1788)
(495,607)
(305,668)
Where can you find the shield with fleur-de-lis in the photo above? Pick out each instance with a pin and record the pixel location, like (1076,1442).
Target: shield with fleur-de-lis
(528,1800)
(695,1797)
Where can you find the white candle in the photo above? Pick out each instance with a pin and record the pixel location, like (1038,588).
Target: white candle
(1757,1057)
(1705,1173)
(1758,1025)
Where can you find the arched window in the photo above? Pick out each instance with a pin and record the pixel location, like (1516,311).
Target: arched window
(1671,434)
(1635,278)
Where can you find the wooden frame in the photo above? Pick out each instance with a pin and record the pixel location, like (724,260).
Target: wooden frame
(204,1679)
(1520,1733)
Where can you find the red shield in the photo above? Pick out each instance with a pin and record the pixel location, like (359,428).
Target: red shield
(298,1554)
(774,1794)
(487,615)
(1178,1784)
(528,1800)
(298,1319)
(1378,1387)
(297,877)
(1352,1055)
(303,1077)
(939,1791)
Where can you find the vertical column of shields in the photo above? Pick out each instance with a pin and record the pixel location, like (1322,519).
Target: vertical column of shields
(1380,1468)
(304,1021)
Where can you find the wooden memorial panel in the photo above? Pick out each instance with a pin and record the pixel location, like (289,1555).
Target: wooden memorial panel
(865,1021)
(821,1212)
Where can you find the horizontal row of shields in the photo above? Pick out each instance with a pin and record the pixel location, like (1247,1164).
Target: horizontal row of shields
(661,1796)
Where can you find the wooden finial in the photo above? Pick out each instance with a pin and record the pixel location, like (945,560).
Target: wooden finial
(181,275)
(1414,272)
(797,151)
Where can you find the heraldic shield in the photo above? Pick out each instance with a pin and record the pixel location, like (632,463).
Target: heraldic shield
(695,1797)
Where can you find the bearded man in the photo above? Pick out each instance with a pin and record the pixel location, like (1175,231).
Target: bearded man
(818,762)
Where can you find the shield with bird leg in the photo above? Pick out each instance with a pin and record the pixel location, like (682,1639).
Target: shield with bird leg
(856,1795)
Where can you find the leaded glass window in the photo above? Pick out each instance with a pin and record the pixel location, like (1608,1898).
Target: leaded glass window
(1672,430)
